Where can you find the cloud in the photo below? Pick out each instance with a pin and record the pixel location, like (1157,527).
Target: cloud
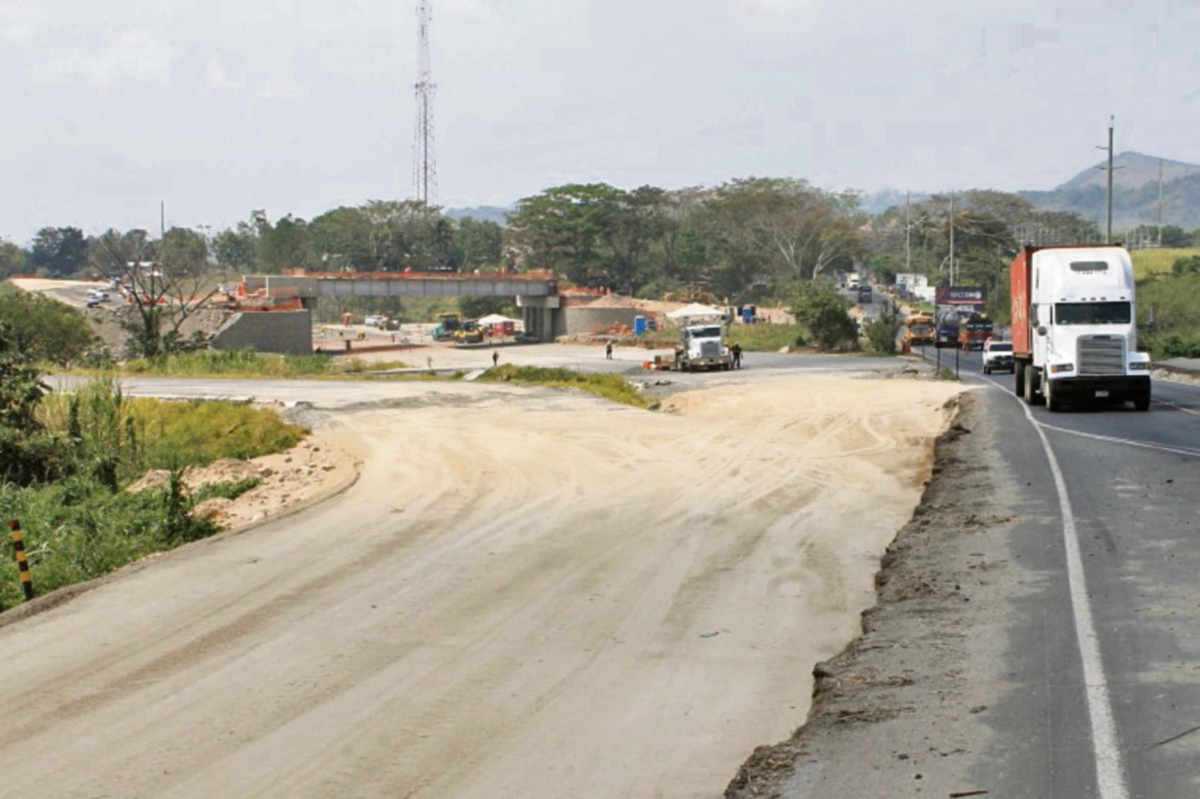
(282,90)
(135,55)
(218,79)
(774,6)
(20,22)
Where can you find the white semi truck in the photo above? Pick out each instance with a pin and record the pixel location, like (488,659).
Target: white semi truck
(1074,329)
(700,348)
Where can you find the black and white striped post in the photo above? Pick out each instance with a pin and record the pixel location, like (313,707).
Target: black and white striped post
(14,529)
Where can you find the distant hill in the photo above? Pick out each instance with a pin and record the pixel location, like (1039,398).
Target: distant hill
(483,213)
(1135,193)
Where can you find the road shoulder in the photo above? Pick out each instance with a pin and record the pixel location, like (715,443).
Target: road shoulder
(905,704)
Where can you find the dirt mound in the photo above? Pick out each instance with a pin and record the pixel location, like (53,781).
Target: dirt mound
(304,472)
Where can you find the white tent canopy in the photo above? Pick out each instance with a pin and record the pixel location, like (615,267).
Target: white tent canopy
(495,319)
(695,311)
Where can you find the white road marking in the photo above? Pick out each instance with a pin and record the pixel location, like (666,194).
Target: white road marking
(1110,772)
(1126,441)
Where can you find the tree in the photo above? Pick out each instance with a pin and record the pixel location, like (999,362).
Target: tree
(234,248)
(59,252)
(13,259)
(637,221)
(21,386)
(282,245)
(824,312)
(163,293)
(44,329)
(479,243)
(564,229)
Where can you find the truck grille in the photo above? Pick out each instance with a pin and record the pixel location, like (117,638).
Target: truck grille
(710,349)
(1102,355)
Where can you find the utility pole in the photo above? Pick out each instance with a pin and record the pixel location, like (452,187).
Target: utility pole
(1110,168)
(1160,192)
(951,238)
(908,232)
(424,165)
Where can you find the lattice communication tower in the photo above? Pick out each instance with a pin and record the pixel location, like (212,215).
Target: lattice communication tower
(424,164)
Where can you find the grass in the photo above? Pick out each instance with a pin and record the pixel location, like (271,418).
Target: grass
(1152,262)
(82,526)
(142,433)
(249,363)
(609,386)
(766,338)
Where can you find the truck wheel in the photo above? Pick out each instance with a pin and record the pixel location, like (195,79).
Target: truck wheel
(1142,402)
(1052,402)
(1019,378)
(1032,397)
(987,370)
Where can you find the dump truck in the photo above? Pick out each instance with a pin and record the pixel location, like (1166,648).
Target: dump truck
(700,348)
(1074,329)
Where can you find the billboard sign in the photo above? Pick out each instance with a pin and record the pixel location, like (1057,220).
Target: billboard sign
(972,296)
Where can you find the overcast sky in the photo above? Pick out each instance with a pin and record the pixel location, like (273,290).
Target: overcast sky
(219,107)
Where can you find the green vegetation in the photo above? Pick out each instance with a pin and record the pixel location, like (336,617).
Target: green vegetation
(67,457)
(882,333)
(44,329)
(825,314)
(1172,300)
(766,338)
(1160,261)
(609,386)
(249,363)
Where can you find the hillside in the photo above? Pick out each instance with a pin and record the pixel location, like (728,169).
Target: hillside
(1135,193)
(483,213)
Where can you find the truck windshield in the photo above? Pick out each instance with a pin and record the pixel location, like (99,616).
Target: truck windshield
(1093,313)
(705,332)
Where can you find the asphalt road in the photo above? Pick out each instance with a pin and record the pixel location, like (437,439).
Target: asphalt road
(1098,687)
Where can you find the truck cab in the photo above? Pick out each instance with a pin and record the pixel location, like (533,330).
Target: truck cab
(700,347)
(1074,327)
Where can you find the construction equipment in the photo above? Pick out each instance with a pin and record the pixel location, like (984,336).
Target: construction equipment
(469,332)
(448,323)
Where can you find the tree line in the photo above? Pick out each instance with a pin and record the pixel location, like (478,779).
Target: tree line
(747,239)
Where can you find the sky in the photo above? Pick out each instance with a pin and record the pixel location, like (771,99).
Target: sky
(207,110)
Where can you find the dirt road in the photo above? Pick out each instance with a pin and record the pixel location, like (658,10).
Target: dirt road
(528,593)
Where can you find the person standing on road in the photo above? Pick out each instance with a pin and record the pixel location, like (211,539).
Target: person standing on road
(495,357)
(608,351)
(736,349)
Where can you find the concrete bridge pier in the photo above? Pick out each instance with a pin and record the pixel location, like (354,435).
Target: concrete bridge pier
(539,315)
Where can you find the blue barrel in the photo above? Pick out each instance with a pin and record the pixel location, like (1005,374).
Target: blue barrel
(639,325)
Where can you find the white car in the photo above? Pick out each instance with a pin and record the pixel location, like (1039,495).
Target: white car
(997,357)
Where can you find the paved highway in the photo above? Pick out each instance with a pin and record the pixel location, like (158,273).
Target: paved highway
(1099,689)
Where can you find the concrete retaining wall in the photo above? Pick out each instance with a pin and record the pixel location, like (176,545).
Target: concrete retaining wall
(285,332)
(574,321)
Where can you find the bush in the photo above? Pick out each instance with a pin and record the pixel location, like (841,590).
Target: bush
(1172,345)
(881,335)
(45,330)
(77,530)
(825,313)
